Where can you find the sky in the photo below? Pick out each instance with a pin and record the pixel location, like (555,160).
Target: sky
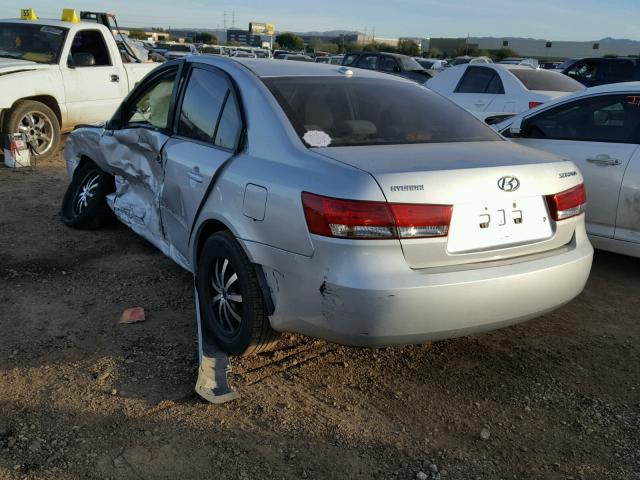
(545,19)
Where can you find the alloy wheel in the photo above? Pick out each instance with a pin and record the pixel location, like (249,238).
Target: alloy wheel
(39,131)
(86,193)
(227,297)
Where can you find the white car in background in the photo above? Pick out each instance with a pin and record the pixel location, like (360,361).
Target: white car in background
(494,91)
(432,63)
(178,50)
(599,130)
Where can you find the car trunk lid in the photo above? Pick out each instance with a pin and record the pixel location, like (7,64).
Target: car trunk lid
(497,190)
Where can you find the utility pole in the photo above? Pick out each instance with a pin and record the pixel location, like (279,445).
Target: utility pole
(373,34)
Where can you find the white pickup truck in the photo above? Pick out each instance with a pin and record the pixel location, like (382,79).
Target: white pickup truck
(55,75)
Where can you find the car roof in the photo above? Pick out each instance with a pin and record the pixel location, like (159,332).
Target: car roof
(396,55)
(264,67)
(635,59)
(611,87)
(49,22)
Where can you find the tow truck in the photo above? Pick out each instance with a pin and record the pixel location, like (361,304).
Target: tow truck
(55,74)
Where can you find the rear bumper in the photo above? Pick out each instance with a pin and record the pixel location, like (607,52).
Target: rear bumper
(368,296)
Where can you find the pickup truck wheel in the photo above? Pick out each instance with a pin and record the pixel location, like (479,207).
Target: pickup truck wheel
(40,125)
(85,204)
(231,303)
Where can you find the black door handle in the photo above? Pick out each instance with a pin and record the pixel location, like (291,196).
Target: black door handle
(115,78)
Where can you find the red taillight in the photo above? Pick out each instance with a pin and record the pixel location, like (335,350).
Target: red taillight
(334,217)
(534,104)
(415,220)
(567,204)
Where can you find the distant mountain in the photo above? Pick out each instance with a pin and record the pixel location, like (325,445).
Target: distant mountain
(618,41)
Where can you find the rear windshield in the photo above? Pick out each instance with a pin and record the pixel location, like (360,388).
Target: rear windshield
(341,111)
(410,64)
(545,80)
(425,63)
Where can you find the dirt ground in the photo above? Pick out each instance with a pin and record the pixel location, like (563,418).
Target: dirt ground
(83,397)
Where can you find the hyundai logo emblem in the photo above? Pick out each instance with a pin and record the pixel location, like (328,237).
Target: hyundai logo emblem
(509,184)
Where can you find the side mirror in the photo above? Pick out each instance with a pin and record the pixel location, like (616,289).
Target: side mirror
(515,129)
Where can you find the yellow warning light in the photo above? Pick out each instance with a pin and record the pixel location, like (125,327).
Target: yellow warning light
(70,15)
(28,14)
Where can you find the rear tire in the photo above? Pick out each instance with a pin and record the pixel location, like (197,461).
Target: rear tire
(231,302)
(84,205)
(40,125)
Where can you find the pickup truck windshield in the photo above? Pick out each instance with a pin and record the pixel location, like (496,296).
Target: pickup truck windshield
(339,111)
(36,43)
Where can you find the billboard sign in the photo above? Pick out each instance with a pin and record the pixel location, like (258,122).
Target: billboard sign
(262,28)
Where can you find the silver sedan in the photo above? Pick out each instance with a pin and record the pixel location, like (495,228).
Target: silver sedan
(352,206)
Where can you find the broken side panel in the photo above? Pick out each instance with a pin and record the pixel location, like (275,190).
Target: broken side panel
(133,157)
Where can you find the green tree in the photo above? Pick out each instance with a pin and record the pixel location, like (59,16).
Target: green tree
(408,47)
(233,43)
(375,47)
(206,37)
(435,53)
(350,47)
(290,41)
(504,53)
(320,46)
(137,34)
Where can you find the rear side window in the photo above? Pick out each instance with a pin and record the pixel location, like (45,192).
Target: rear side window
(349,59)
(585,70)
(230,126)
(480,80)
(619,71)
(203,100)
(370,62)
(388,64)
(545,80)
(339,111)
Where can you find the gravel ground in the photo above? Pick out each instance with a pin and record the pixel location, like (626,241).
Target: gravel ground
(84,397)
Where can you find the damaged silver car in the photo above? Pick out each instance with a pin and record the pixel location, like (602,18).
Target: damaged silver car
(346,205)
